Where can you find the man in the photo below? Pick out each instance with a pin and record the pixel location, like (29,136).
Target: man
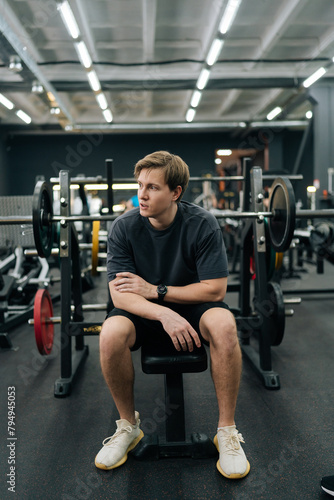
(167,272)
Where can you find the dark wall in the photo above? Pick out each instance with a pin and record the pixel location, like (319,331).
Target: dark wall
(292,142)
(31,155)
(4,169)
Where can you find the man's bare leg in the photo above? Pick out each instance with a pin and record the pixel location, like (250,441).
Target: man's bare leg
(226,360)
(116,338)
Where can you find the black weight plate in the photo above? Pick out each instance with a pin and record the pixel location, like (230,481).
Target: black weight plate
(42,214)
(283,206)
(277,313)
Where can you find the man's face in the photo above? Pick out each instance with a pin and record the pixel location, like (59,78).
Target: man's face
(155,197)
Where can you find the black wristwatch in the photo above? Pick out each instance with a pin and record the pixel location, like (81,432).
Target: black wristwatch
(161,290)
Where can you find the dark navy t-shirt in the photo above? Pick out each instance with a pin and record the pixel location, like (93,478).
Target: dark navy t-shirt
(191,249)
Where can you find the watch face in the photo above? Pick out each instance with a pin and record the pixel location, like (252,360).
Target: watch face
(162,289)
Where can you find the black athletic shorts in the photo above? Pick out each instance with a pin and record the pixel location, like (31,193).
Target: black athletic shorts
(152,331)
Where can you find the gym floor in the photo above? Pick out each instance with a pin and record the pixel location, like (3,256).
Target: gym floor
(289,433)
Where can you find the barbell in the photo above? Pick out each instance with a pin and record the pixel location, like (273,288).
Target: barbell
(281,216)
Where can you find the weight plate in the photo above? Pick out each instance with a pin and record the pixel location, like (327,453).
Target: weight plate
(277,313)
(95,246)
(42,214)
(283,206)
(43,311)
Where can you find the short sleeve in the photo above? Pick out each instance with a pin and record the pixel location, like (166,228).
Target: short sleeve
(119,254)
(211,259)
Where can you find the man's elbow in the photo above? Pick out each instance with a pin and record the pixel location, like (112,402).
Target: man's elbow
(220,296)
(220,293)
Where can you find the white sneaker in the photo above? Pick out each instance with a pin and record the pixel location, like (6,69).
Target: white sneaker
(232,462)
(115,448)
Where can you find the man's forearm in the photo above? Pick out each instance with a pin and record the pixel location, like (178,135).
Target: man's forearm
(196,293)
(130,285)
(136,304)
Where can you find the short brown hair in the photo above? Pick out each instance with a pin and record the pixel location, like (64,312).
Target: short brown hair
(175,169)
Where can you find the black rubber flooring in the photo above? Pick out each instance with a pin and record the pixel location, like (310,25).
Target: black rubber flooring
(289,433)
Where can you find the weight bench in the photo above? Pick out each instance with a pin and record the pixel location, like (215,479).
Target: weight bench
(165,359)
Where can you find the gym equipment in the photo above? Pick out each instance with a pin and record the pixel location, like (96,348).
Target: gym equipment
(164,359)
(44,316)
(281,216)
(263,317)
(42,212)
(282,204)
(44,330)
(20,276)
(271,256)
(266,320)
(95,246)
(322,235)
(71,317)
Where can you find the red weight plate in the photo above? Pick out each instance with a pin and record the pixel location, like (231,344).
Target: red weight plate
(43,311)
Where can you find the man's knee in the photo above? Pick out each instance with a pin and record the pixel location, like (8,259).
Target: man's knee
(118,332)
(219,328)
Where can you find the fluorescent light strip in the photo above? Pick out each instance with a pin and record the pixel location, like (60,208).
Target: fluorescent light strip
(190,115)
(101,187)
(94,81)
(229,15)
(224,152)
(273,113)
(102,101)
(203,79)
(107,115)
(104,187)
(214,51)
(196,97)
(313,78)
(69,19)
(6,102)
(83,54)
(23,116)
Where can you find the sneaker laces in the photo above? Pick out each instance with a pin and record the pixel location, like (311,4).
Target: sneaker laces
(115,438)
(232,442)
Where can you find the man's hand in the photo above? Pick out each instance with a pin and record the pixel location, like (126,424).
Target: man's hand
(129,282)
(180,331)
(178,328)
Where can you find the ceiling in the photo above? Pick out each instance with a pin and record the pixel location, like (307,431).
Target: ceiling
(148,56)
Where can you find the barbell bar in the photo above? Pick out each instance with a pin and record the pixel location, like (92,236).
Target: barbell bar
(300,214)
(128,180)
